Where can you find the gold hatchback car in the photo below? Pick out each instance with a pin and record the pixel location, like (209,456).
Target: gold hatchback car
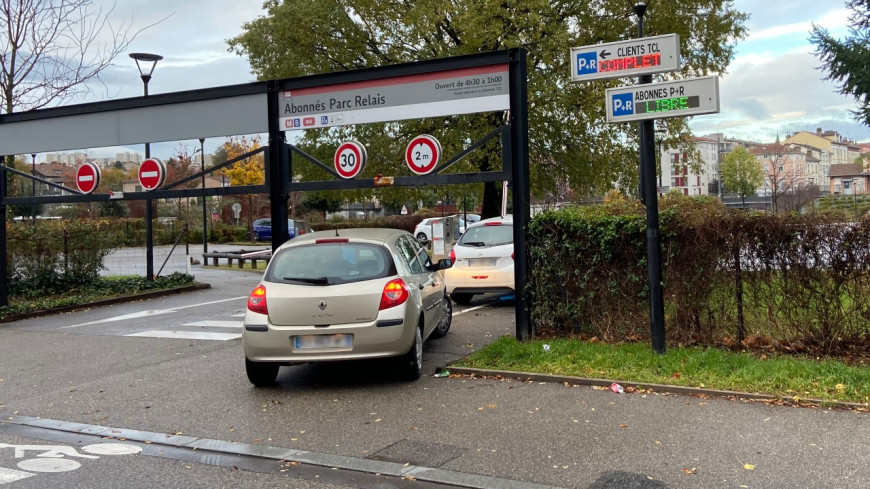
(345,295)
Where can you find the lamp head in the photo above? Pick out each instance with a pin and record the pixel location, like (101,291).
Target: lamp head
(146,58)
(639,7)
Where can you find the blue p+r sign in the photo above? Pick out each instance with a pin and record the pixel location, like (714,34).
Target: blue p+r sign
(587,63)
(623,104)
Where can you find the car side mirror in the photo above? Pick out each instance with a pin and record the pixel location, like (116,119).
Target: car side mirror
(444,263)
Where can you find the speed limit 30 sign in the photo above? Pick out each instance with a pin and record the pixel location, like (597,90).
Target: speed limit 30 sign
(350,159)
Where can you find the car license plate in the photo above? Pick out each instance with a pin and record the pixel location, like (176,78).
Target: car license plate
(321,341)
(482,262)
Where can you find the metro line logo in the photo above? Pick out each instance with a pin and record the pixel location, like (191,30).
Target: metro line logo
(623,104)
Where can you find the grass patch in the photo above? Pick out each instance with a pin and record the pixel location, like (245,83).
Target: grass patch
(711,368)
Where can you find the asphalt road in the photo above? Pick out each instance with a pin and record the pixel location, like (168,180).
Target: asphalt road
(167,375)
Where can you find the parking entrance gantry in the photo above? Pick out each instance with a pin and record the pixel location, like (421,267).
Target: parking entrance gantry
(486,82)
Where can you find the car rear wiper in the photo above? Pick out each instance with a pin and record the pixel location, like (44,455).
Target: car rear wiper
(475,243)
(312,280)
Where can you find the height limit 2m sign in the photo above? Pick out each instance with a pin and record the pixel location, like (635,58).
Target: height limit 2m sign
(657,54)
(693,96)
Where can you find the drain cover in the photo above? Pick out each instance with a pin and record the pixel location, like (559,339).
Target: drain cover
(418,453)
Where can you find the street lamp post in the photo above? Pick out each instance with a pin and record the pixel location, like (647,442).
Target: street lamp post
(204,214)
(649,196)
(145,73)
(33,188)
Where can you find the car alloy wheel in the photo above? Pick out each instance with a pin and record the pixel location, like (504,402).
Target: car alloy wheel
(446,320)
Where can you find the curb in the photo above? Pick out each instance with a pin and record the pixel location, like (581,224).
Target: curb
(405,471)
(658,388)
(106,302)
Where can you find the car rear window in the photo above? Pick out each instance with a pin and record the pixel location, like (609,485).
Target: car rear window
(486,236)
(330,264)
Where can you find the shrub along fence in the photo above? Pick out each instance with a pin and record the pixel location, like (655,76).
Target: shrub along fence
(729,276)
(55,255)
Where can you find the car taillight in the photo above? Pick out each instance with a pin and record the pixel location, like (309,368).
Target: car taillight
(453,256)
(494,223)
(257,301)
(331,240)
(395,293)
(512,255)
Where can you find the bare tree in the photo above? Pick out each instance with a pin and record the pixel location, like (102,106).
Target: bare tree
(51,49)
(785,177)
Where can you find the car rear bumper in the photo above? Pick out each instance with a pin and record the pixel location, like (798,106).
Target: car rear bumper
(465,281)
(389,335)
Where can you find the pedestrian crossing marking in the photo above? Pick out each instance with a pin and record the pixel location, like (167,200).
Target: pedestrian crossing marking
(187,335)
(217,324)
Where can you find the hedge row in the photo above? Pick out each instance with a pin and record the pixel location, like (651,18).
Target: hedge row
(803,281)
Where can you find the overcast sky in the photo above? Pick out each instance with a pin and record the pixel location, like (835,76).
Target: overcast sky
(772,87)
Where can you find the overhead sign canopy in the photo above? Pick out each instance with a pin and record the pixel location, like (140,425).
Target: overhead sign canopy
(693,96)
(442,93)
(657,54)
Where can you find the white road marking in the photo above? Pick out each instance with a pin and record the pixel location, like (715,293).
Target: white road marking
(112,449)
(49,465)
(133,315)
(217,324)
(11,475)
(471,309)
(151,313)
(186,335)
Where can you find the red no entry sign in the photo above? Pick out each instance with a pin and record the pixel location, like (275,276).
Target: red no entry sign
(350,159)
(88,178)
(423,154)
(152,172)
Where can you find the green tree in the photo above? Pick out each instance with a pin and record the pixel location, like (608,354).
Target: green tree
(741,173)
(571,143)
(845,61)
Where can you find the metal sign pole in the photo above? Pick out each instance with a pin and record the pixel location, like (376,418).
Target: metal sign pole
(649,196)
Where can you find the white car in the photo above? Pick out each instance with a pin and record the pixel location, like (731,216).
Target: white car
(483,260)
(423,230)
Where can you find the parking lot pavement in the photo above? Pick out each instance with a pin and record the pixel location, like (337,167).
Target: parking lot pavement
(533,432)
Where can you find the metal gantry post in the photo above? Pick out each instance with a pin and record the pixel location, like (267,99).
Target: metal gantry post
(519,150)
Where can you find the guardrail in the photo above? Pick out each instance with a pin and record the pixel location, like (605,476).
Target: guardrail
(238,256)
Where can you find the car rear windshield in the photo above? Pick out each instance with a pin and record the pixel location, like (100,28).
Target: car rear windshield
(330,264)
(486,236)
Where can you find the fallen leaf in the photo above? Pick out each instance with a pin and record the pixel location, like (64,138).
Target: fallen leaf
(691,471)
(676,375)
(748,466)
(623,426)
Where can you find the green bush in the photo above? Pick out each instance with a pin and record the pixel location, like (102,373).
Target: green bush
(803,280)
(55,255)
